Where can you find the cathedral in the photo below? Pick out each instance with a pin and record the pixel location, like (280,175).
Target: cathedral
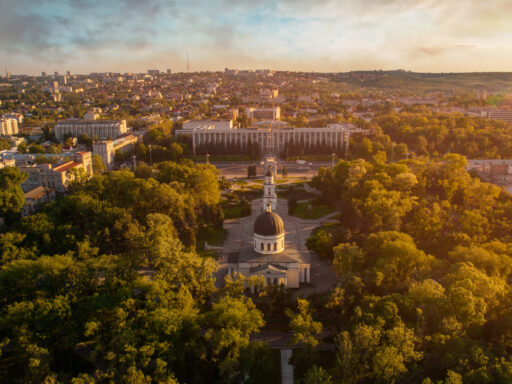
(267,255)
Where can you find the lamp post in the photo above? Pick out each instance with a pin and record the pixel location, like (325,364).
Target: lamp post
(207,158)
(332,159)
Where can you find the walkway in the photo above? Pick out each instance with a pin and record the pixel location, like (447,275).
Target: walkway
(286,367)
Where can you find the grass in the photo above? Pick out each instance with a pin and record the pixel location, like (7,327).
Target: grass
(318,210)
(299,194)
(250,194)
(233,212)
(211,236)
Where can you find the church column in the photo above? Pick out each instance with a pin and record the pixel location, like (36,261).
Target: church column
(307,275)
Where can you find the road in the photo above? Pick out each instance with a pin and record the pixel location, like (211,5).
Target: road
(239,169)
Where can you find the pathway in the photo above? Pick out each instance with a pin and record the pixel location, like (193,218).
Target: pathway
(286,367)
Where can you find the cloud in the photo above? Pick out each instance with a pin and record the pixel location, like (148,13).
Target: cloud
(284,34)
(442,48)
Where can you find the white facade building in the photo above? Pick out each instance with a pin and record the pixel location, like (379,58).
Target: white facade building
(107,148)
(100,128)
(8,126)
(264,113)
(207,132)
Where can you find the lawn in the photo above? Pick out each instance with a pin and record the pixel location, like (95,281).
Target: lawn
(318,210)
(250,194)
(233,212)
(299,194)
(210,235)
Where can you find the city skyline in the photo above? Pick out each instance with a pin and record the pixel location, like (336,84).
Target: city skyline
(131,36)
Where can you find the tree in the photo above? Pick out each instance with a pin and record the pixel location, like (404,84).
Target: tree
(36,148)
(97,163)
(4,144)
(22,148)
(317,375)
(292,204)
(305,332)
(371,354)
(229,326)
(12,197)
(251,171)
(285,171)
(321,242)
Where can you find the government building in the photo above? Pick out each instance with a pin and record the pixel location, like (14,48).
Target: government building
(271,136)
(102,129)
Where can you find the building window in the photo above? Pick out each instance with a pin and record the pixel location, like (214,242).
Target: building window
(268,246)
(275,246)
(262,248)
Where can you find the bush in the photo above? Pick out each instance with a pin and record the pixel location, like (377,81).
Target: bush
(292,204)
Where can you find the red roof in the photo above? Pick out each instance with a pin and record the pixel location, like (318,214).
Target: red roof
(66,166)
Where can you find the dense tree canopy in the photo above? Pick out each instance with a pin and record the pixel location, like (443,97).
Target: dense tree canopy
(105,285)
(423,254)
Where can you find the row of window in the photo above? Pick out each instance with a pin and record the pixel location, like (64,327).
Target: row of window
(269,246)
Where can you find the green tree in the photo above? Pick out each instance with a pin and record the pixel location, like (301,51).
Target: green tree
(305,333)
(317,375)
(12,197)
(229,326)
(36,148)
(97,163)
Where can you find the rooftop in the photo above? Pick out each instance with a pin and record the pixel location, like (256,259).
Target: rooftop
(37,193)
(66,166)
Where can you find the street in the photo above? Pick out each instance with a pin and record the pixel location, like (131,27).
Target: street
(239,169)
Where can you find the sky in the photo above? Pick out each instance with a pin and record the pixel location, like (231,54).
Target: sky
(299,35)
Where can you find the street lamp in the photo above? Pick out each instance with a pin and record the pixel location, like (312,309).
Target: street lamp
(207,158)
(332,159)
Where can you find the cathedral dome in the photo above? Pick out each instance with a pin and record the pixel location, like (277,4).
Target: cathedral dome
(268,224)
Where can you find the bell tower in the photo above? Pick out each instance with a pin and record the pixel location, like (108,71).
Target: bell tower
(269,191)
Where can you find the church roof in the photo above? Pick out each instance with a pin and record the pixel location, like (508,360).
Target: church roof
(269,268)
(268,224)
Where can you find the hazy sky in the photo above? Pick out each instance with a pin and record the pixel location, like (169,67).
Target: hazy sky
(311,35)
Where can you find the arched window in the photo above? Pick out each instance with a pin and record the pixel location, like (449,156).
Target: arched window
(262,247)
(275,246)
(268,246)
